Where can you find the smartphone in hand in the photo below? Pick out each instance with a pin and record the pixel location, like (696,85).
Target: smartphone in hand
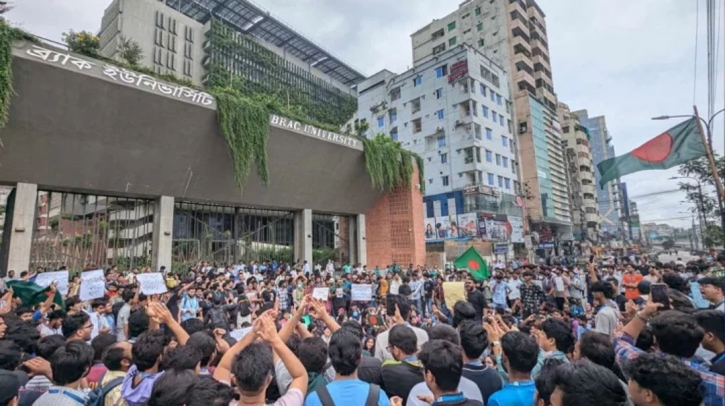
(659,294)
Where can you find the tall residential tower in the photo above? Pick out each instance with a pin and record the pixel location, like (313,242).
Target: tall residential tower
(513,34)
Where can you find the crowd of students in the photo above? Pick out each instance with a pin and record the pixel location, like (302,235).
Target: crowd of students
(253,334)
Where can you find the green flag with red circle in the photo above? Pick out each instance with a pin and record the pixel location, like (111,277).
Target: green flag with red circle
(679,144)
(474,263)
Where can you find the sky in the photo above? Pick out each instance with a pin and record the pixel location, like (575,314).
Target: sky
(626,60)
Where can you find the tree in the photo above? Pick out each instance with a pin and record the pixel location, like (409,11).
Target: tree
(707,204)
(83,42)
(129,50)
(5,7)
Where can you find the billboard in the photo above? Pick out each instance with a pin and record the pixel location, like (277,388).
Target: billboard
(467,225)
(516,225)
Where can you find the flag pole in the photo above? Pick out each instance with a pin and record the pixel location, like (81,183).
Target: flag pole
(710,157)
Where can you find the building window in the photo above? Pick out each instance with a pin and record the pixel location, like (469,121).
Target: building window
(477,131)
(500,120)
(415,105)
(513,167)
(441,71)
(172,43)
(444,158)
(452,42)
(499,99)
(480,42)
(160,19)
(483,90)
(494,116)
(505,162)
(418,80)
(440,114)
(478,11)
(479,27)
(439,93)
(417,126)
(393,113)
(441,141)
(493,97)
(500,181)
(489,134)
(394,134)
(504,141)
(498,159)
(395,94)
(485,111)
(452,26)
(159,40)
(489,156)
(189,34)
(490,179)
(445,180)
(381,121)
(188,51)
(507,183)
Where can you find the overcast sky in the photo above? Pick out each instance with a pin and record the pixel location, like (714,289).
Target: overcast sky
(626,60)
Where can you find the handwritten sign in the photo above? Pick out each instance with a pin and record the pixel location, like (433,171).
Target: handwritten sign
(321,293)
(361,292)
(151,283)
(93,285)
(453,292)
(239,333)
(59,277)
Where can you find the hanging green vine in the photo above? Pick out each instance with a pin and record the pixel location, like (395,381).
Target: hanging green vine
(244,123)
(8,34)
(389,165)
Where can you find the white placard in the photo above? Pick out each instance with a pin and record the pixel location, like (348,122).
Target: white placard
(239,333)
(362,292)
(93,285)
(321,293)
(559,282)
(151,283)
(59,277)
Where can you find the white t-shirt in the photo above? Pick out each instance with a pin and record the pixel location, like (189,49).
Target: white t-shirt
(466,386)
(514,288)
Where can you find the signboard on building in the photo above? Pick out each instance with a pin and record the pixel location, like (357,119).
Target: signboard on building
(500,248)
(467,226)
(458,70)
(312,131)
(480,188)
(517,229)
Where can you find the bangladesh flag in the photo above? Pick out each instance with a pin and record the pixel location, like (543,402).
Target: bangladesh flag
(32,294)
(679,144)
(476,265)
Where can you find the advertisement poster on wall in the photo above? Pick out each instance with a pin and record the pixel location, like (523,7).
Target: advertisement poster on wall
(517,229)
(492,230)
(467,225)
(446,227)
(430,229)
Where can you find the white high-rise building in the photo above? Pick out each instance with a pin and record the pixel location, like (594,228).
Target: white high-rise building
(454,111)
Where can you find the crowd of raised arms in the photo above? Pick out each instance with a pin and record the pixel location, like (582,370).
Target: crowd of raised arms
(623,331)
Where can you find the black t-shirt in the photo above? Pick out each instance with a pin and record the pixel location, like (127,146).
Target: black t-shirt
(371,370)
(478,300)
(404,290)
(428,288)
(400,377)
(487,379)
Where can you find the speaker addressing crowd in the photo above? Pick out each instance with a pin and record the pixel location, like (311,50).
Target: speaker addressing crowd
(626,331)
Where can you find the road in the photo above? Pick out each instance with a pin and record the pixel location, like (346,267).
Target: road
(682,254)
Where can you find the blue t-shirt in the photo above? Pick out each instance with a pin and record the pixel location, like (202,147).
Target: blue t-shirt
(514,394)
(352,392)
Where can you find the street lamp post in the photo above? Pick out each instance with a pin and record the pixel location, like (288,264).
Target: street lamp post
(708,126)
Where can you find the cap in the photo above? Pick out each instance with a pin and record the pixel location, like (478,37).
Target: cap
(9,386)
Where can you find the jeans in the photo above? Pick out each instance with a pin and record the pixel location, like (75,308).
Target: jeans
(418,306)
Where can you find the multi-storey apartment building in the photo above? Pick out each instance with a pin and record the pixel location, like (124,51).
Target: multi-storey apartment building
(608,198)
(513,34)
(454,110)
(177,37)
(582,190)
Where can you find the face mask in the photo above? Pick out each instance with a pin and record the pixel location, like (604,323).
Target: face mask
(355,314)
(299,286)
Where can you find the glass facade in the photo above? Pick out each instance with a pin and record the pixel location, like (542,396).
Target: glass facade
(542,157)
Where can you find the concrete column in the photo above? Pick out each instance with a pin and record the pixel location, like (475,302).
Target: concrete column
(303,236)
(352,239)
(163,233)
(19,226)
(360,240)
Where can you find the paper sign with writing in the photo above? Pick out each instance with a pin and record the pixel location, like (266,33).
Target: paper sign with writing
(453,292)
(239,333)
(151,283)
(362,292)
(59,277)
(93,285)
(321,293)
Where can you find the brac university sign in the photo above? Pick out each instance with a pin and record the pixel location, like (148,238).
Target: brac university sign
(312,131)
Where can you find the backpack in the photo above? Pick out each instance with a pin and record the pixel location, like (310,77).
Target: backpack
(97,397)
(326,399)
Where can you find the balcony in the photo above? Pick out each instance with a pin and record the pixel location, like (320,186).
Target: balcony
(521,31)
(591,218)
